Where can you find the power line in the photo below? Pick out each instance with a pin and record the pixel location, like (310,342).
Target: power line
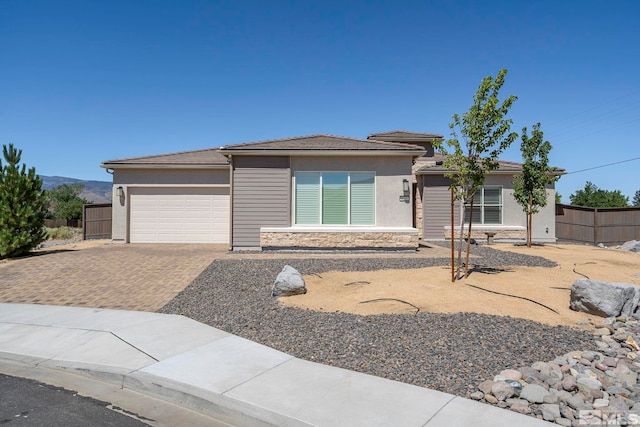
(570,127)
(604,166)
(581,136)
(593,108)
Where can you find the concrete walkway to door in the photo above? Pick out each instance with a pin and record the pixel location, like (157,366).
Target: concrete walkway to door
(128,277)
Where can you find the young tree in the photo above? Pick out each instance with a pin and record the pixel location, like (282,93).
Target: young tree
(636,199)
(594,197)
(23,206)
(65,201)
(530,185)
(484,133)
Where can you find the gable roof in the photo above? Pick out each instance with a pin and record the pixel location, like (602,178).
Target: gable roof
(208,158)
(404,136)
(435,166)
(322,144)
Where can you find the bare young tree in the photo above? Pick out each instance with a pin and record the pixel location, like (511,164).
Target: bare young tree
(529,186)
(478,137)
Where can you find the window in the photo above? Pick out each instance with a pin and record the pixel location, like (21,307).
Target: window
(487,206)
(335,198)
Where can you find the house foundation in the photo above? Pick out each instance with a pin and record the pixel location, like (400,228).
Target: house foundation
(405,239)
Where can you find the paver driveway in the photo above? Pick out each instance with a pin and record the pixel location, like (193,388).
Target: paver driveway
(131,277)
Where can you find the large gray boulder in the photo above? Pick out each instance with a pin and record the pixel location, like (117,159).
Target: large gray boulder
(289,282)
(604,299)
(631,245)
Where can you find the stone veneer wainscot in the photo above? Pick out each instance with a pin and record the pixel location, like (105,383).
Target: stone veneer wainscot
(399,239)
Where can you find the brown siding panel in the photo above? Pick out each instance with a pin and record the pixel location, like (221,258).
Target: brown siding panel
(436,201)
(261,198)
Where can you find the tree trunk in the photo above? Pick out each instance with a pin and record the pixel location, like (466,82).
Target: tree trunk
(460,241)
(453,259)
(466,265)
(530,221)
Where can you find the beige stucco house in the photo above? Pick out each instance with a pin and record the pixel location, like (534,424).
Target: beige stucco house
(320,191)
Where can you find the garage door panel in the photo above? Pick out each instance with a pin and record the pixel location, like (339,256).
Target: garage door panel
(179,215)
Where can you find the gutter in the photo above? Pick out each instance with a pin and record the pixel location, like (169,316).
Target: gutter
(160,166)
(324,153)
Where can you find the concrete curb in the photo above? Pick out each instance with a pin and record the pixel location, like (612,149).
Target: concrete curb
(223,376)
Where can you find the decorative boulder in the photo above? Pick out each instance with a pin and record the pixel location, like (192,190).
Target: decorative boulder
(631,245)
(604,299)
(289,282)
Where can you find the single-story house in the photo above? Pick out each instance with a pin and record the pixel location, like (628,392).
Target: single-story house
(320,191)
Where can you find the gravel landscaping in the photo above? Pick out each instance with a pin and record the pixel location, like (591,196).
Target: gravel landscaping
(447,352)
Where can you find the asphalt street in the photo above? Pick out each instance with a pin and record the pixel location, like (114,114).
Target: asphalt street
(25,402)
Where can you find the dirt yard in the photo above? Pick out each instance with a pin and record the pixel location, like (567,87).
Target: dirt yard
(430,289)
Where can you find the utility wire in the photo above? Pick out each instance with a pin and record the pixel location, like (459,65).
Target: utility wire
(581,136)
(604,166)
(593,108)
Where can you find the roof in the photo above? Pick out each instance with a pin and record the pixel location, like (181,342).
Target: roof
(209,157)
(435,166)
(404,136)
(321,143)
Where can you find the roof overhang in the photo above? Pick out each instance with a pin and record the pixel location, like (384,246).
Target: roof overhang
(108,165)
(440,171)
(324,153)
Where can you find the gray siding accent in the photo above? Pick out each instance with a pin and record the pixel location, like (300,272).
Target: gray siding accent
(171,176)
(436,202)
(281,162)
(261,198)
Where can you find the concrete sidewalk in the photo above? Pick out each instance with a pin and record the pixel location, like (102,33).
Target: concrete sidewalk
(223,376)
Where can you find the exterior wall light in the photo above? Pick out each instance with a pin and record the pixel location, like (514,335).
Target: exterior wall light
(405,191)
(119,191)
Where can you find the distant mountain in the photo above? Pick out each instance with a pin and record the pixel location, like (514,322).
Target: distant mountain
(94,191)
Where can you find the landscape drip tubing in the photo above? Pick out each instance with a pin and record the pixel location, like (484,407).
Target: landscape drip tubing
(514,296)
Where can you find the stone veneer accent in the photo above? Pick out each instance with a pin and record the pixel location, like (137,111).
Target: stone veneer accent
(341,240)
(417,203)
(478,233)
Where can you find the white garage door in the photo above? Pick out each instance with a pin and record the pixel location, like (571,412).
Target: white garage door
(179,215)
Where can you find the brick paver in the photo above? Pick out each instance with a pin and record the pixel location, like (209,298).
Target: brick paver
(130,277)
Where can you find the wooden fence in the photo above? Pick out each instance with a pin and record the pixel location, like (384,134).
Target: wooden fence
(609,226)
(53,223)
(96,219)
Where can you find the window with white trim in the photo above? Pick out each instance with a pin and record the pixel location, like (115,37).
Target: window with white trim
(335,198)
(487,206)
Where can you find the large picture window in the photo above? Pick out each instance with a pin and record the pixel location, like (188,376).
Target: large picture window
(487,206)
(335,198)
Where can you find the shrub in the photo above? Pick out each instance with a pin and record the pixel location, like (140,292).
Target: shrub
(60,233)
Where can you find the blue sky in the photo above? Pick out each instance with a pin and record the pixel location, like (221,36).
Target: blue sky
(87,81)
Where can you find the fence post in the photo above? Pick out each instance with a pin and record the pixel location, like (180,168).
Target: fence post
(595,227)
(84,222)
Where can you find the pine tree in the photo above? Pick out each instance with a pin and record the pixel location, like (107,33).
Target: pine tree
(23,206)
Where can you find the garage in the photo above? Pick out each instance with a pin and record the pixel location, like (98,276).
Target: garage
(178,214)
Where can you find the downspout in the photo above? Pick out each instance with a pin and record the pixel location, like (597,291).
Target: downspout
(231,187)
